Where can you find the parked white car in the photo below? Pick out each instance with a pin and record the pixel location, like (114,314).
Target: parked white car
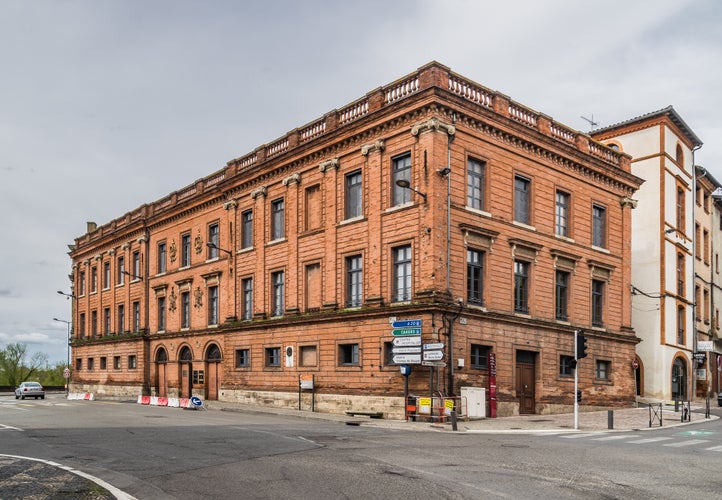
(30,390)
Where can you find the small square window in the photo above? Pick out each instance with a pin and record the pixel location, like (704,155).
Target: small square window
(480,357)
(566,366)
(309,355)
(348,354)
(273,356)
(603,370)
(243,358)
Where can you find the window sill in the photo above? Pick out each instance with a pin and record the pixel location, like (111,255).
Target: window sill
(402,206)
(477,211)
(564,238)
(345,222)
(600,249)
(523,225)
(245,250)
(276,242)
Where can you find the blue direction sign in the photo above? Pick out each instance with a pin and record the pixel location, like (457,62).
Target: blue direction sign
(409,323)
(401,332)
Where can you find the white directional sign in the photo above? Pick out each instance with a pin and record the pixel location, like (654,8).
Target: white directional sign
(433,363)
(433,346)
(407,359)
(407,341)
(407,350)
(433,355)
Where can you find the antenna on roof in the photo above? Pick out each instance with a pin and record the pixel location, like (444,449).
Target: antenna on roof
(592,123)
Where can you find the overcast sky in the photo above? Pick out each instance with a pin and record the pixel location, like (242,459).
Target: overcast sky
(106,105)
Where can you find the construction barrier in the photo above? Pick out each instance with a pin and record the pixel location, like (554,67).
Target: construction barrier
(434,409)
(164,401)
(82,396)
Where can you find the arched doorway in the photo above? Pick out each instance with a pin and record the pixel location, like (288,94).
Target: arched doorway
(161,376)
(213,363)
(679,379)
(638,376)
(185,363)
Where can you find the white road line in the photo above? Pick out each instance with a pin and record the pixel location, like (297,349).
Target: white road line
(691,442)
(575,436)
(714,448)
(649,440)
(4,427)
(616,437)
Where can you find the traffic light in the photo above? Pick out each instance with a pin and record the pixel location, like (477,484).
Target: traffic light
(581,345)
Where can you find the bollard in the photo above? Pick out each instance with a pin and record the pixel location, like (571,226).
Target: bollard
(453,421)
(610,419)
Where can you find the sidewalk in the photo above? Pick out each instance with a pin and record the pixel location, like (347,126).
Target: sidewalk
(625,419)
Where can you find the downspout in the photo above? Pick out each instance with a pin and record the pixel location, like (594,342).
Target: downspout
(694,274)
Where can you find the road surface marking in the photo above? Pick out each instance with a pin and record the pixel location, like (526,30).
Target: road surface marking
(575,436)
(649,440)
(616,437)
(687,443)
(714,448)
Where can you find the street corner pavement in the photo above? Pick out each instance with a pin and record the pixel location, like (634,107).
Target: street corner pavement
(24,477)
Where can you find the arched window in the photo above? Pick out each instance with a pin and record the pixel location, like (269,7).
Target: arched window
(161,356)
(213,353)
(186,355)
(679,156)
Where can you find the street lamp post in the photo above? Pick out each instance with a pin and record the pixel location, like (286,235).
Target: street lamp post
(67,366)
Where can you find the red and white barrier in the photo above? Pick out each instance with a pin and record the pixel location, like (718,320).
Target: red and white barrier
(164,401)
(85,396)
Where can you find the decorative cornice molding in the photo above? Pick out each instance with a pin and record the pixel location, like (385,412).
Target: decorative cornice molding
(261,191)
(432,124)
(333,163)
(292,179)
(378,145)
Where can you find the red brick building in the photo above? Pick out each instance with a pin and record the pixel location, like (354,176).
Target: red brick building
(507,232)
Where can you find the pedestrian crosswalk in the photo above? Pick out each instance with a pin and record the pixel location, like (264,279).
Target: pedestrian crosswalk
(683,440)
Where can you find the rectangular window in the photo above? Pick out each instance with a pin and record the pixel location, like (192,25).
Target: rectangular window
(132,362)
(480,357)
(475,184)
(348,354)
(705,246)
(680,209)
(388,354)
(81,283)
(161,314)
(475,277)
(82,325)
(698,242)
(94,323)
(598,303)
(136,265)
(561,225)
(185,310)
(522,200)
(121,270)
(103,363)
(93,279)
(91,363)
(121,318)
(106,275)
(273,356)
(79,364)
(309,355)
(566,366)
(599,226)
(116,362)
(354,194)
(136,316)
(521,286)
(212,305)
(402,274)
(602,371)
(247,304)
(162,256)
(680,275)
(243,358)
(277,293)
(247,229)
(314,287)
(401,171)
(354,281)
(697,298)
(562,295)
(681,320)
(277,220)
(706,306)
(213,241)
(185,250)
(106,321)
(313,212)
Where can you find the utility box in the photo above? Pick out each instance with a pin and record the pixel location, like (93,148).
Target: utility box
(475,398)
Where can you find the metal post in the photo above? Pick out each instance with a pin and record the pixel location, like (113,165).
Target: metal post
(610,419)
(576,382)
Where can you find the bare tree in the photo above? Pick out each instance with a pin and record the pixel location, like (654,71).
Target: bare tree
(13,364)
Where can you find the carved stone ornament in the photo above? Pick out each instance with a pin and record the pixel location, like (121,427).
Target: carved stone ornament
(198,295)
(432,124)
(378,145)
(292,179)
(628,202)
(230,204)
(172,251)
(172,298)
(261,191)
(331,164)
(198,242)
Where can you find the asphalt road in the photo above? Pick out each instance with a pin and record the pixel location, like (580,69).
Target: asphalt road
(157,453)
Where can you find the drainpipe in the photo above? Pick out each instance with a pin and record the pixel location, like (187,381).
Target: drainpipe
(694,273)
